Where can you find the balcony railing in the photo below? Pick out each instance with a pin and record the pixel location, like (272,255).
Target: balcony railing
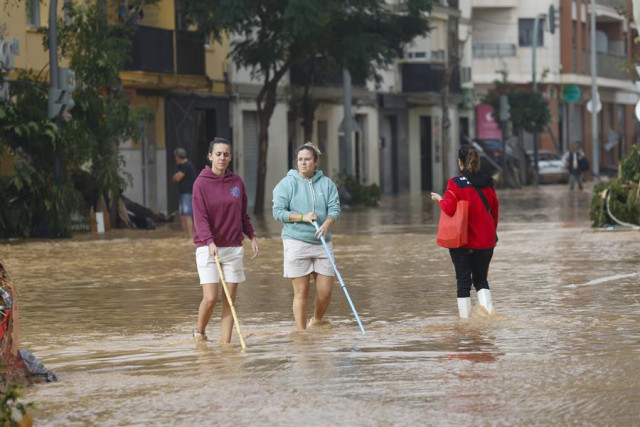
(190,52)
(153,51)
(493,50)
(417,77)
(611,66)
(615,4)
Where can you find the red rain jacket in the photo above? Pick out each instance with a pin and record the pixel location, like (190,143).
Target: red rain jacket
(482,226)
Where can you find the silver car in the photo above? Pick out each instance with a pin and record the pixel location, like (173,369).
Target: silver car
(551,168)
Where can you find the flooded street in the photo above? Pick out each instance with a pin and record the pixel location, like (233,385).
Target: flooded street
(112,317)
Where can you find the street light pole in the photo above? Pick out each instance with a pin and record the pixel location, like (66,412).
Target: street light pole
(595,101)
(534,85)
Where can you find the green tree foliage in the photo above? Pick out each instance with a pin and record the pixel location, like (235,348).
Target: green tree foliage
(12,411)
(33,201)
(269,36)
(40,196)
(622,193)
(363,37)
(529,110)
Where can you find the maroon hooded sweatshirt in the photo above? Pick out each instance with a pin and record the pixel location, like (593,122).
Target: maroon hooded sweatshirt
(220,213)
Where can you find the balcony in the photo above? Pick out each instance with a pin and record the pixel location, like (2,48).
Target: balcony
(190,52)
(427,78)
(614,4)
(152,51)
(611,66)
(493,50)
(485,4)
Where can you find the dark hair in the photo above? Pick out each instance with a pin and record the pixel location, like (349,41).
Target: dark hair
(180,153)
(218,140)
(470,158)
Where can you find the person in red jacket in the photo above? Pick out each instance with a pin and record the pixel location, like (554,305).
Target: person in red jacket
(220,218)
(471,262)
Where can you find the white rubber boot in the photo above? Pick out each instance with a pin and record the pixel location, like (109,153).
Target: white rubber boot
(464,307)
(484,299)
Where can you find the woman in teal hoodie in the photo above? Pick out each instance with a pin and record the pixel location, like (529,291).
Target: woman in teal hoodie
(303,196)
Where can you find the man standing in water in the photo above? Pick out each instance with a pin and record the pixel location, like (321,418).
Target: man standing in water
(576,162)
(185,176)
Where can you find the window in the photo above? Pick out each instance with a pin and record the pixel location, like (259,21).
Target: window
(525,32)
(33,13)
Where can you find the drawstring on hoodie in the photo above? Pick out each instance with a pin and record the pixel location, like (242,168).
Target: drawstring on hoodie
(313,194)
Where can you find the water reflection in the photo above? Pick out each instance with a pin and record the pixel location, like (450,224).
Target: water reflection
(112,316)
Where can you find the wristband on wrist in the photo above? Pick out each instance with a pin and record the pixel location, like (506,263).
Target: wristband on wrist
(301,217)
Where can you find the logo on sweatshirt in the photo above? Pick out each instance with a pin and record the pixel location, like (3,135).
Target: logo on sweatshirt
(235,192)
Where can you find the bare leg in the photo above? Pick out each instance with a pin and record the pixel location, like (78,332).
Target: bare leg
(324,288)
(300,297)
(189,223)
(209,298)
(227,316)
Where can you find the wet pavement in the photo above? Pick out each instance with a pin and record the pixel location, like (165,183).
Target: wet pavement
(112,316)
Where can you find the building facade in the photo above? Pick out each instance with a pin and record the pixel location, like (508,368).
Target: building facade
(503,40)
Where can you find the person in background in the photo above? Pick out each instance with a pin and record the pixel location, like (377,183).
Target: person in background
(576,162)
(471,262)
(185,176)
(302,197)
(221,217)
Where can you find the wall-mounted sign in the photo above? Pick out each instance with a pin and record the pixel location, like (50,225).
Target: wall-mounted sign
(571,93)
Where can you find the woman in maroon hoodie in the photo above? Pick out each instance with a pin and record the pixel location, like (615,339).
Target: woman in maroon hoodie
(220,217)
(472,261)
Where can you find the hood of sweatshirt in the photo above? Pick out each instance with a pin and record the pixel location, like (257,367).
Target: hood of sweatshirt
(479,180)
(208,174)
(296,175)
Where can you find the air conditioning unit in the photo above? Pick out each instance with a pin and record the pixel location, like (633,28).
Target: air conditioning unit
(6,56)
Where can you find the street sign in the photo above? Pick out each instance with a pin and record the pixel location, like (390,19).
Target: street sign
(598,106)
(571,93)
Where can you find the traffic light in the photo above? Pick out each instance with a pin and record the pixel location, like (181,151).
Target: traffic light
(553,19)
(60,99)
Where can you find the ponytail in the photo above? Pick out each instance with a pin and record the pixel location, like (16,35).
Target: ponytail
(470,158)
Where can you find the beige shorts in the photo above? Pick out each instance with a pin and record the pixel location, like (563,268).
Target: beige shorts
(301,258)
(231,261)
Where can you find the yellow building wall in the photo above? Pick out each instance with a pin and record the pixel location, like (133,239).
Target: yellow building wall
(32,55)
(160,15)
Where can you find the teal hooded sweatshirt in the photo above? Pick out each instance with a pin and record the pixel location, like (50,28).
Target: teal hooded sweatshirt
(296,194)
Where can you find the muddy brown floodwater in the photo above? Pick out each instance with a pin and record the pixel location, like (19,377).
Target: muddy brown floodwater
(112,317)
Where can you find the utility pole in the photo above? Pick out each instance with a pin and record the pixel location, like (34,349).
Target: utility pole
(54,70)
(534,86)
(595,99)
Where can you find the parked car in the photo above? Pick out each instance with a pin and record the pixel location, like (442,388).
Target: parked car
(551,168)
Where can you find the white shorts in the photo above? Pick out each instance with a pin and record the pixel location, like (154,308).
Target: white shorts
(302,258)
(231,261)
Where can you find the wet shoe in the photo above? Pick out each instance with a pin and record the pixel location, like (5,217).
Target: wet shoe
(198,337)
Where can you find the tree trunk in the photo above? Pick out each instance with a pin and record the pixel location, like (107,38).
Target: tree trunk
(264,118)
(266,105)
(453,61)
(308,113)
(446,123)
